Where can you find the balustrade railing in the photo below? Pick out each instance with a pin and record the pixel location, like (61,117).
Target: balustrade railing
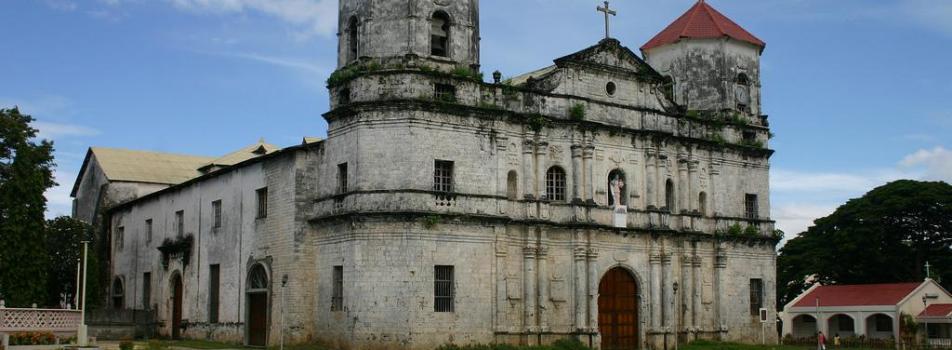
(27,320)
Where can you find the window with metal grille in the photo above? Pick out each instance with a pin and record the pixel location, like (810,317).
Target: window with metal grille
(445,92)
(180,223)
(845,323)
(216,214)
(443,176)
(439,34)
(342,178)
(555,184)
(750,206)
(148,230)
(213,292)
(262,194)
(756,295)
(337,294)
(443,288)
(883,323)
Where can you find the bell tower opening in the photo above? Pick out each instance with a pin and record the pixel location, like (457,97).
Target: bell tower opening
(439,34)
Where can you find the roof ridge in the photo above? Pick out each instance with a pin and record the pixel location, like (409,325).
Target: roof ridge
(687,24)
(707,9)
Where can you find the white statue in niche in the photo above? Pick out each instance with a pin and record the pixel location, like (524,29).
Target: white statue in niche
(616,198)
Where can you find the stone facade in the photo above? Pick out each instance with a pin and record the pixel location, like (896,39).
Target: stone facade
(508,183)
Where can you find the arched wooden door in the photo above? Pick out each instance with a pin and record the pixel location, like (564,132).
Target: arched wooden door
(176,306)
(257,296)
(618,310)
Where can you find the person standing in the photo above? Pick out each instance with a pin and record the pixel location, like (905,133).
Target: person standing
(836,340)
(821,341)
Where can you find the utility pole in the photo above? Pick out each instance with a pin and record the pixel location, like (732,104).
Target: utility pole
(82,339)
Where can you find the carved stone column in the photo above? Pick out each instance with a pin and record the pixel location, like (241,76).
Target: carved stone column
(592,289)
(588,155)
(528,187)
(542,149)
(720,264)
(501,296)
(696,269)
(655,262)
(687,296)
(541,257)
(581,284)
(651,183)
(682,184)
(694,185)
(668,296)
(577,173)
(661,174)
(529,291)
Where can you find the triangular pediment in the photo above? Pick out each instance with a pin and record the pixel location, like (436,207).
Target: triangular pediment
(609,54)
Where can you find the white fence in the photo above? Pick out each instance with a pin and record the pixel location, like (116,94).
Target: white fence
(37,320)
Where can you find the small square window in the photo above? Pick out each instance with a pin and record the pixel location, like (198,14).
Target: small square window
(750,206)
(445,92)
(148,230)
(756,295)
(443,176)
(262,195)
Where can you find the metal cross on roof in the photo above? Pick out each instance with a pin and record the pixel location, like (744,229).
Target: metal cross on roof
(608,11)
(927,270)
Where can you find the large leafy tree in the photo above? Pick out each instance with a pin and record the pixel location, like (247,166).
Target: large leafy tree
(25,173)
(885,236)
(64,237)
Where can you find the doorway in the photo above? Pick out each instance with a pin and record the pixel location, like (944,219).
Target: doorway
(176,306)
(618,310)
(258,304)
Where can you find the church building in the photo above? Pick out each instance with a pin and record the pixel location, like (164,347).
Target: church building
(615,197)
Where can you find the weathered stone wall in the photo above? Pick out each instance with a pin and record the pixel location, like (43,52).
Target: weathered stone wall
(705,72)
(398,28)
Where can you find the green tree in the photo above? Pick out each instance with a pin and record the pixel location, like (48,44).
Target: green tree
(885,236)
(64,237)
(26,171)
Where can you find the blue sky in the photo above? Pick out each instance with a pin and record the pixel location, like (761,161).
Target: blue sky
(859,92)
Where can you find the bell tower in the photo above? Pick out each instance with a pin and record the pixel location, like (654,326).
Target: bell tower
(445,31)
(711,62)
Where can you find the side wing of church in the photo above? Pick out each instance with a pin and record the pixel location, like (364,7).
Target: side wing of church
(618,199)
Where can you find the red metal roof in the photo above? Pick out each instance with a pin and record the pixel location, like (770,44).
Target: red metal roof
(858,294)
(937,310)
(702,21)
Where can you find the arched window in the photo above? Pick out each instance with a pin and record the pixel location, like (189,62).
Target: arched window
(258,278)
(440,34)
(117,293)
(617,189)
(353,39)
(512,185)
(555,184)
(702,203)
(669,195)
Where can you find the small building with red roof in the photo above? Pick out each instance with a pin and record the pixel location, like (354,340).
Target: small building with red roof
(870,310)
(937,320)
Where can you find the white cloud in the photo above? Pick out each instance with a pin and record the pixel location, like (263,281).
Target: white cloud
(937,163)
(54,131)
(936,15)
(58,200)
(801,181)
(62,5)
(310,16)
(794,218)
(284,62)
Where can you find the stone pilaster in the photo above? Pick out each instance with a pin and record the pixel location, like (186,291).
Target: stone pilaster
(581,284)
(529,290)
(696,274)
(542,149)
(668,292)
(577,173)
(501,297)
(661,174)
(720,306)
(543,275)
(651,183)
(694,185)
(655,295)
(588,155)
(687,296)
(528,173)
(592,255)
(682,184)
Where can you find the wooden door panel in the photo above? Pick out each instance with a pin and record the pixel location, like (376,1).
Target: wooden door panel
(618,310)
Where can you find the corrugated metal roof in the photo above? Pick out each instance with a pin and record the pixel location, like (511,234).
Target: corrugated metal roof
(937,310)
(251,151)
(702,21)
(151,167)
(858,294)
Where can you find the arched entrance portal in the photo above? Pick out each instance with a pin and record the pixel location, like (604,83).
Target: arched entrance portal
(176,306)
(257,297)
(618,310)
